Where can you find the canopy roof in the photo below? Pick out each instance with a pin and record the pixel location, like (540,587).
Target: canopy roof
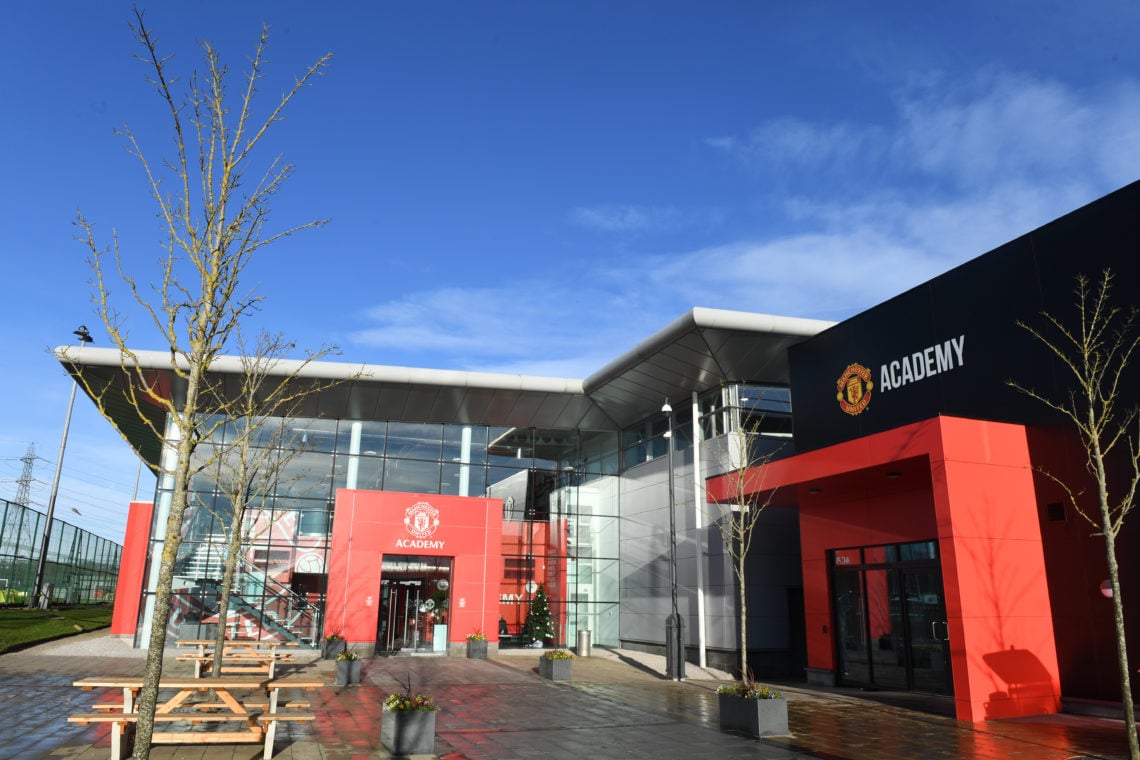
(703,349)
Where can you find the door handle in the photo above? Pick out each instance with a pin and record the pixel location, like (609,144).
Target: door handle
(934,630)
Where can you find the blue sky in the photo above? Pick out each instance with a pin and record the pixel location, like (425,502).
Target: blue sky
(534,187)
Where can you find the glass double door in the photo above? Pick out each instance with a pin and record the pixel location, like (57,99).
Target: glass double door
(414,604)
(891,628)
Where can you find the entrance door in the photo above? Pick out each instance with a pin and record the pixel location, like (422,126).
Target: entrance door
(890,623)
(927,631)
(851,628)
(414,596)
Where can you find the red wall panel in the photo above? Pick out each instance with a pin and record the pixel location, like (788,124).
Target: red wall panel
(968,484)
(128,592)
(369,524)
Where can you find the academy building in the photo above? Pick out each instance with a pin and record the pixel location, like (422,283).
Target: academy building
(912,539)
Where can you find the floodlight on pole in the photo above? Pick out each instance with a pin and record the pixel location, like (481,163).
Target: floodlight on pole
(37,587)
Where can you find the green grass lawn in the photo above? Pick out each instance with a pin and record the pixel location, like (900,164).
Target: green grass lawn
(20,628)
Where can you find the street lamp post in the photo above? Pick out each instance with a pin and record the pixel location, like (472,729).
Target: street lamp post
(37,587)
(674,627)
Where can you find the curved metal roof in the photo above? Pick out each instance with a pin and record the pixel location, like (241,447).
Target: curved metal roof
(702,349)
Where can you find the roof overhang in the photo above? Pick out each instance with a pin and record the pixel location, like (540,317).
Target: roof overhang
(701,350)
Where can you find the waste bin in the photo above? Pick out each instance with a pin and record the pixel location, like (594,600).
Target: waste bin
(583,643)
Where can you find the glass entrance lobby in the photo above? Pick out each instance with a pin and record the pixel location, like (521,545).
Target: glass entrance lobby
(890,617)
(413,604)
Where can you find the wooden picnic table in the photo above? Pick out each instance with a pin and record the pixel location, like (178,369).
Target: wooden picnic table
(258,719)
(239,656)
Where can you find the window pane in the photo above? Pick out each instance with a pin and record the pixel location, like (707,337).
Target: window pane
(359,437)
(311,435)
(461,439)
(407,440)
(304,474)
(411,475)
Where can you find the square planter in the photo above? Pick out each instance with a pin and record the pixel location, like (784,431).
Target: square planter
(347,672)
(755,717)
(556,670)
(477,649)
(408,733)
(333,648)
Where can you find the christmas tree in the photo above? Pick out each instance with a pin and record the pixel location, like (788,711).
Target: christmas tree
(539,625)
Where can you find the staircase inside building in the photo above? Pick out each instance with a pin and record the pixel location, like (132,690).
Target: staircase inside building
(260,606)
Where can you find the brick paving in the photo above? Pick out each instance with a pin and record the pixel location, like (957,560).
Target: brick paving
(499,709)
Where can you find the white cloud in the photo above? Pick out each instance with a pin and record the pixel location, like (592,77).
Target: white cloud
(613,218)
(549,328)
(875,209)
(642,219)
(792,141)
(996,128)
(1005,126)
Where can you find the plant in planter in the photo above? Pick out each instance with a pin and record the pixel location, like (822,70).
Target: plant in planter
(753,709)
(333,645)
(557,665)
(407,724)
(477,645)
(347,668)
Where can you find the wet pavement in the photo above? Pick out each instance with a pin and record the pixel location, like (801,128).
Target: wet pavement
(617,706)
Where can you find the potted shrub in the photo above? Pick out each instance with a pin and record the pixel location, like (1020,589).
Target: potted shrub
(557,665)
(753,709)
(333,646)
(477,645)
(347,668)
(407,723)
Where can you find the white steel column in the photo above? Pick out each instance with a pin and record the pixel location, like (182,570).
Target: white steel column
(465,462)
(699,523)
(352,472)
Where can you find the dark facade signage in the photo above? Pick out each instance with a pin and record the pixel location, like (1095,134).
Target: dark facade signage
(854,389)
(920,365)
(952,345)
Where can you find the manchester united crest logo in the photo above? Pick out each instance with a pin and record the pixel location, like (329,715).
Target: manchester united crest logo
(853,389)
(421,519)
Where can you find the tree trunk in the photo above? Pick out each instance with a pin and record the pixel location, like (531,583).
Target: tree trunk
(745,674)
(152,675)
(1122,649)
(1109,530)
(233,549)
(148,697)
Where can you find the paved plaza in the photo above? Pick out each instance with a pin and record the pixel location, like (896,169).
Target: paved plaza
(618,706)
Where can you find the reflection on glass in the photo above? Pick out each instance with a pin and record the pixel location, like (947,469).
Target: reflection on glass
(851,628)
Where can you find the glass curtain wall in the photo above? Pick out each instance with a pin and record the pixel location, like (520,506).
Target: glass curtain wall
(560,515)
(763,409)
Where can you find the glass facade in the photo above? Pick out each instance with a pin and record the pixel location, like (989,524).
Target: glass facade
(560,491)
(560,516)
(764,409)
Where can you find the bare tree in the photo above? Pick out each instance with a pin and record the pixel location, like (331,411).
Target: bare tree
(256,453)
(1096,349)
(737,514)
(214,221)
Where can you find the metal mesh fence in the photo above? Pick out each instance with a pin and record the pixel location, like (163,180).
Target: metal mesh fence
(81,568)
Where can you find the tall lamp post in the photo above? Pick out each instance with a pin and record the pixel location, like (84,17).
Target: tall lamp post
(37,587)
(674,627)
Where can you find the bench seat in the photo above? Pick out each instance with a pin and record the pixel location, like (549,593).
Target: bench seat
(184,717)
(281,716)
